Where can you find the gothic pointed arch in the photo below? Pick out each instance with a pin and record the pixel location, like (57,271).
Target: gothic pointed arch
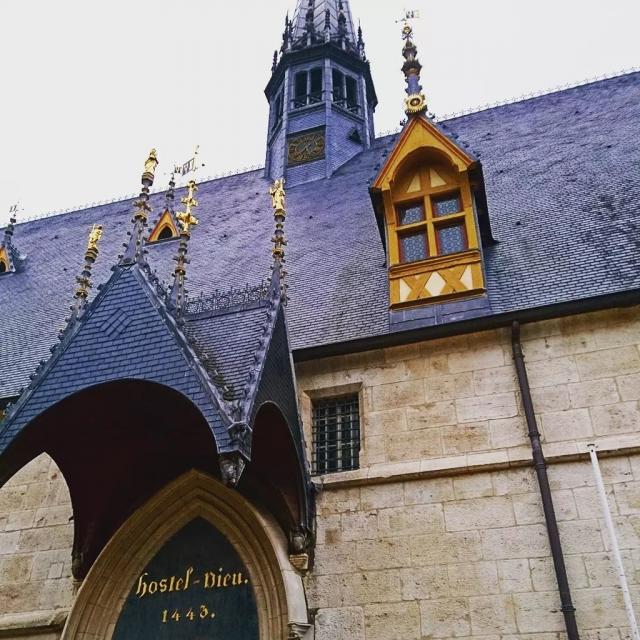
(277,588)
(165,228)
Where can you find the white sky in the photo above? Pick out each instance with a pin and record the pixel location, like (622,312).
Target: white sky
(88,88)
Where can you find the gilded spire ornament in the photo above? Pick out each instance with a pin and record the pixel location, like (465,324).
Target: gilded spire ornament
(84,279)
(186,219)
(415,102)
(134,251)
(278,203)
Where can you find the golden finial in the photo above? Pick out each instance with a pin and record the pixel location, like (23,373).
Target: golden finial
(278,195)
(150,165)
(94,236)
(84,279)
(415,102)
(133,250)
(186,217)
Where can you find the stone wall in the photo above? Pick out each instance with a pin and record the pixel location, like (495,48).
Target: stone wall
(440,533)
(36,534)
(455,400)
(468,556)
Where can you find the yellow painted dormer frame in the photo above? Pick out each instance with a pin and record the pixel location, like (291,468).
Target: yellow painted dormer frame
(425,190)
(4,260)
(166,222)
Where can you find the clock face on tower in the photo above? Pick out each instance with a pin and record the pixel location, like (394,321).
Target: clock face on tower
(306,147)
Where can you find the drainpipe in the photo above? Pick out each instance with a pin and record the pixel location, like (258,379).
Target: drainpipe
(568,610)
(613,540)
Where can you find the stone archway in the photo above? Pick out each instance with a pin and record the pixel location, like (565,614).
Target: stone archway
(258,540)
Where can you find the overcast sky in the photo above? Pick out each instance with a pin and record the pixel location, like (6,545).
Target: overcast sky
(89,87)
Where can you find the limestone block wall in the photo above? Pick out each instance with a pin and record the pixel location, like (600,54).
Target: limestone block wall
(455,400)
(36,535)
(440,533)
(467,556)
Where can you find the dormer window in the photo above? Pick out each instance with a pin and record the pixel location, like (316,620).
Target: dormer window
(165,229)
(307,88)
(432,214)
(431,231)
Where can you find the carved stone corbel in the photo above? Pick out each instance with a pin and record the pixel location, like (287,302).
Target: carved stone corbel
(231,467)
(299,631)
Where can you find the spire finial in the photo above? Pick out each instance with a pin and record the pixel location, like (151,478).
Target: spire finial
(84,279)
(177,294)
(415,102)
(278,196)
(133,251)
(8,232)
(170,195)
(342,21)
(360,43)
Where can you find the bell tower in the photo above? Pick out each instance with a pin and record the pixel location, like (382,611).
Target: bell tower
(321,94)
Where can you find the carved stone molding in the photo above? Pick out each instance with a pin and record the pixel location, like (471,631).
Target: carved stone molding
(255,535)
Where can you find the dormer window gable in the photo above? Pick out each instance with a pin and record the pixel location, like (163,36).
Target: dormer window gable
(425,199)
(164,229)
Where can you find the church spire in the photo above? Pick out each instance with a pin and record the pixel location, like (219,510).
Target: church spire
(315,22)
(321,94)
(415,102)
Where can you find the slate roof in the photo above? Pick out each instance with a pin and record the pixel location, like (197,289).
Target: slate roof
(563,191)
(232,340)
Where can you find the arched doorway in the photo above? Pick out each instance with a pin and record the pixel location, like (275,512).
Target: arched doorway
(257,540)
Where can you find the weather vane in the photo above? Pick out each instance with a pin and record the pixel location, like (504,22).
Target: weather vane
(190,165)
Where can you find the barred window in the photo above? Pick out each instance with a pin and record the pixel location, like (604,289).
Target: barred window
(336,434)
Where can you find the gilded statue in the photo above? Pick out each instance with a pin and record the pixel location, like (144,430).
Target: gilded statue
(151,162)
(94,235)
(278,195)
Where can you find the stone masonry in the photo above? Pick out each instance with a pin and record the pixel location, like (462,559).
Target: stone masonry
(440,533)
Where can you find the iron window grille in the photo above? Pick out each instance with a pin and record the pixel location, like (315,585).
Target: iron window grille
(336,434)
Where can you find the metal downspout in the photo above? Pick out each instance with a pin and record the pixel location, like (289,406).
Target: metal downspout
(568,610)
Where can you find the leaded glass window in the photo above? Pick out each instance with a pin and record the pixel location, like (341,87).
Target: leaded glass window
(411,213)
(451,239)
(336,434)
(413,246)
(446,205)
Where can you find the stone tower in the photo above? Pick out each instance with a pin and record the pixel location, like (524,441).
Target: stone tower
(321,94)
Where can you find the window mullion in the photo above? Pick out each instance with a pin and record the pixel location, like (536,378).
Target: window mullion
(431,232)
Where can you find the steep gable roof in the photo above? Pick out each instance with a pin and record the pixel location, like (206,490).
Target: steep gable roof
(125,334)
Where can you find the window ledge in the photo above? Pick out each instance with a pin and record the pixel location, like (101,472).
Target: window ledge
(435,262)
